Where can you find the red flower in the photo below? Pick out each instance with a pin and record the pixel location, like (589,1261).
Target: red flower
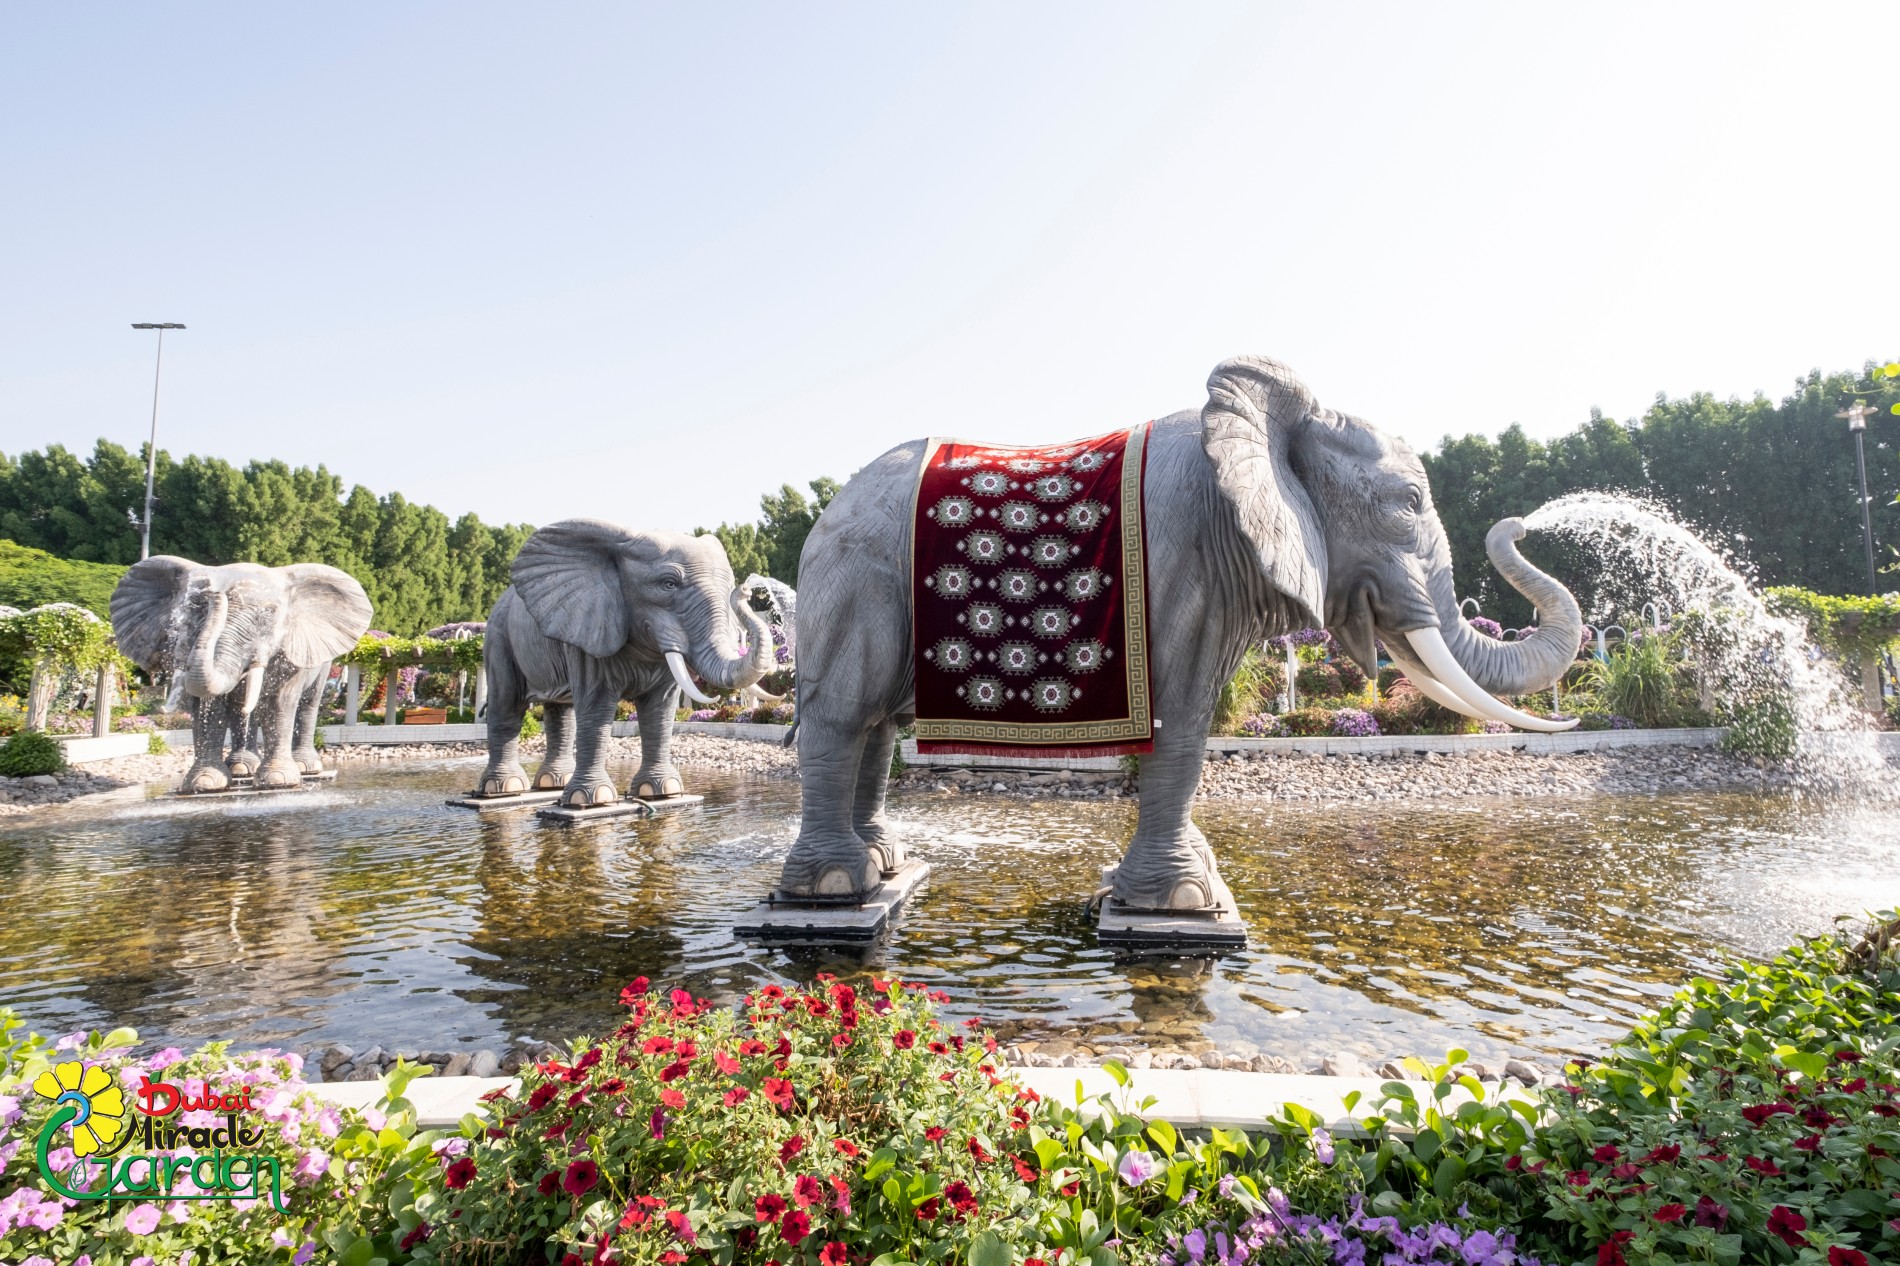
(1625,1172)
(580,1177)
(929,1209)
(672,1257)
(1761,1166)
(1663,1155)
(588,1060)
(725,1063)
(790,1148)
(612,1086)
(577,1098)
(686,1050)
(834,1254)
(635,990)
(572,1259)
(543,1095)
(1812,1143)
(549,1181)
(421,1233)
(904,1039)
(840,1195)
(1671,1212)
(656,1124)
(845,1147)
(752,1046)
(768,1208)
(771,991)
(657,1046)
(1709,1213)
(807,1191)
(1034,1261)
(559,1129)
(937,1048)
(1611,1254)
(1072,1188)
(1607,1153)
(1514,1164)
(458,1174)
(1758,1113)
(1577,1178)
(976,1151)
(682,1226)
(675,1070)
(1818,1118)
(1854,1087)
(1024,1171)
(1848,1056)
(1838,1256)
(1787,1224)
(961,1197)
(672,1098)
(795,1227)
(779,1091)
(736,1096)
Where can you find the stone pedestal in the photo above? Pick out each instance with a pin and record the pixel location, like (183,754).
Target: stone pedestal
(504,804)
(558,816)
(1171,931)
(799,921)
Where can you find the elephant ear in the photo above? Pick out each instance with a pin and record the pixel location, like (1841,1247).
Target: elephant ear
(1255,411)
(568,576)
(327,612)
(144,604)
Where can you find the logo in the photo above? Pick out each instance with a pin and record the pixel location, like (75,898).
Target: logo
(172,1164)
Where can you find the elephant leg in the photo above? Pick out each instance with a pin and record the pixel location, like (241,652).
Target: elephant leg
(1169,865)
(594,700)
(208,725)
(303,743)
(507,708)
(829,859)
(283,688)
(557,765)
(657,778)
(243,760)
(867,807)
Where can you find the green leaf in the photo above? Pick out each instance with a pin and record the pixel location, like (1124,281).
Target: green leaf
(1048,1151)
(988,1249)
(120,1036)
(1445,1181)
(1164,1136)
(1115,1069)
(358,1253)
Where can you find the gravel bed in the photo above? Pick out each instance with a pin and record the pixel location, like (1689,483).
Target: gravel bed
(43,791)
(770,759)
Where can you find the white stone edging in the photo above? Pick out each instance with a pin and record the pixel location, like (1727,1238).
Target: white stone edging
(1190,1098)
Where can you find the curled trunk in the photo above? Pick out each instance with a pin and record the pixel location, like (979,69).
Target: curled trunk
(202,675)
(1531,663)
(725,666)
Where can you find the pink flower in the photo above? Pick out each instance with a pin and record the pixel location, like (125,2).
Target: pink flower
(309,1167)
(142,1219)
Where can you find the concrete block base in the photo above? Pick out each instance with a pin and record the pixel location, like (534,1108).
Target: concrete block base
(503,804)
(1172,932)
(788,921)
(243,788)
(623,809)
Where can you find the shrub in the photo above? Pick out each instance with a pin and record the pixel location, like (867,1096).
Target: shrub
(1643,679)
(1319,681)
(1355,723)
(1352,678)
(1390,676)
(531,723)
(1262,725)
(30,752)
(1764,727)
(1255,683)
(1407,710)
(1307,722)
(155,744)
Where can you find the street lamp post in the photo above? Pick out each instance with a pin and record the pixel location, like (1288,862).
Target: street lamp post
(1856,416)
(151,449)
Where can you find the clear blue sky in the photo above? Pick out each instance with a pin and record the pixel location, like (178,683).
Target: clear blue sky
(645,262)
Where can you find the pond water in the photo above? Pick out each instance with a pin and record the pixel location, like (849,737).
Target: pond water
(369,913)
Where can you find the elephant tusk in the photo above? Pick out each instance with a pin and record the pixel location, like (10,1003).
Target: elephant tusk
(253,683)
(677,662)
(767,696)
(1435,690)
(1439,662)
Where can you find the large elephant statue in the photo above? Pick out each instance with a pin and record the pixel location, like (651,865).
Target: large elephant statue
(599,613)
(1264,513)
(251,647)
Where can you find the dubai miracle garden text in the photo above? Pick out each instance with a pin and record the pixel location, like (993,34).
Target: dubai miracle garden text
(92,1103)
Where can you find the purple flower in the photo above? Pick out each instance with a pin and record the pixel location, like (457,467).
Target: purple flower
(1138,1167)
(1262,725)
(1355,723)
(1323,1147)
(142,1220)
(1490,628)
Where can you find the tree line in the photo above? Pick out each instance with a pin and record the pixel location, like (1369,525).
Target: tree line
(1772,483)
(419,568)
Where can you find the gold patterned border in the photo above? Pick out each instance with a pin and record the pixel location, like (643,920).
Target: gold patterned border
(1138,725)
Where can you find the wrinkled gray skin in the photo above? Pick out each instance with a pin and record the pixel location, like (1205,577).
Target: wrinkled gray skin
(1265,513)
(593,612)
(218,630)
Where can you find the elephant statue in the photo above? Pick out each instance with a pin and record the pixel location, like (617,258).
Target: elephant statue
(1264,513)
(251,647)
(599,613)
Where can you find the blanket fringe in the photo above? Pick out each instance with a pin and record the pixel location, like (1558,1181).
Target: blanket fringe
(1018,752)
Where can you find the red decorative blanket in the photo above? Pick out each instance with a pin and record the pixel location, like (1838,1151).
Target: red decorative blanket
(1029,602)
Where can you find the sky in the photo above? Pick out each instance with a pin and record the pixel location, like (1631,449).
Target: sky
(646,262)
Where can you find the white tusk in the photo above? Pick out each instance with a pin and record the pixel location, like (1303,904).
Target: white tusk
(677,662)
(1434,689)
(1438,660)
(253,683)
(767,696)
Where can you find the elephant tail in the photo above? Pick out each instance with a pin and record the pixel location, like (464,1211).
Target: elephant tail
(791,735)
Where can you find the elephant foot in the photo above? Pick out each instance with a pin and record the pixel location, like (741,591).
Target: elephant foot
(659,783)
(843,871)
(283,773)
(552,777)
(203,778)
(1185,880)
(507,780)
(589,793)
(243,763)
(886,849)
(307,761)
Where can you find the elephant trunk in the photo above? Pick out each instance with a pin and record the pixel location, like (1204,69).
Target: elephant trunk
(724,666)
(1533,662)
(203,677)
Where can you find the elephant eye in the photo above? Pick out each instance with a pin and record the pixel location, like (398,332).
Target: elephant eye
(1416,502)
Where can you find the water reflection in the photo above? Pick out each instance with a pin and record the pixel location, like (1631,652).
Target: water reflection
(368,913)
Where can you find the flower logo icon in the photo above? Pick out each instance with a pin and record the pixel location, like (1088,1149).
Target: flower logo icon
(101,1103)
